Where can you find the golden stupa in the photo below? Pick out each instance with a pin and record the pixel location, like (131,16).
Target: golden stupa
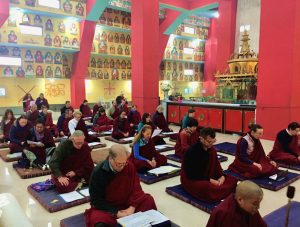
(239,85)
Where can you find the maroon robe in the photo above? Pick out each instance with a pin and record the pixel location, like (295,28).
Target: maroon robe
(118,129)
(133,118)
(116,113)
(33,116)
(40,152)
(18,135)
(193,166)
(88,138)
(229,213)
(65,126)
(278,154)
(103,124)
(95,109)
(122,191)
(159,120)
(184,141)
(147,151)
(86,111)
(6,129)
(81,163)
(49,124)
(249,170)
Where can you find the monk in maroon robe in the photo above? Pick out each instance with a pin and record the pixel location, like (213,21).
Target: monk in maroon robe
(88,138)
(40,134)
(159,120)
(115,190)
(113,111)
(71,163)
(134,118)
(187,137)
(47,118)
(201,173)
(286,149)
(85,109)
(250,158)
(120,127)
(33,114)
(102,123)
(144,156)
(63,122)
(96,107)
(239,209)
(19,134)
(6,123)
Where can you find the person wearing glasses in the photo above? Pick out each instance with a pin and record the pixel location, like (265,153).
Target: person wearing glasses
(286,149)
(144,156)
(115,190)
(71,163)
(239,209)
(187,137)
(201,173)
(250,158)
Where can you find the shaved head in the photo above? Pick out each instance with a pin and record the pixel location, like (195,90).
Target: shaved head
(249,195)
(247,189)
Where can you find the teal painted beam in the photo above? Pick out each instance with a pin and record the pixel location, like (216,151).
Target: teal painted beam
(97,10)
(205,8)
(171,29)
(166,6)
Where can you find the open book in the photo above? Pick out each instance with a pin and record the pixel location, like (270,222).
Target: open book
(169,133)
(156,132)
(279,176)
(35,143)
(92,144)
(163,170)
(127,139)
(163,146)
(142,219)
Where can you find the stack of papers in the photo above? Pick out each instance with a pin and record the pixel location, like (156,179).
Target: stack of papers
(168,133)
(163,170)
(107,132)
(160,147)
(128,139)
(92,133)
(147,218)
(94,144)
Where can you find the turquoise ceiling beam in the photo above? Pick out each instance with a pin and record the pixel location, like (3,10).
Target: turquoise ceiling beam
(97,10)
(171,29)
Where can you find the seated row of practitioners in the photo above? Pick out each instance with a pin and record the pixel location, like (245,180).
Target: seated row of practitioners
(116,192)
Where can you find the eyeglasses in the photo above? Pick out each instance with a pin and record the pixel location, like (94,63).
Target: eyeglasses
(120,164)
(78,143)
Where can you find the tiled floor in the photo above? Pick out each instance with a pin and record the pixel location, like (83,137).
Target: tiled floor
(179,212)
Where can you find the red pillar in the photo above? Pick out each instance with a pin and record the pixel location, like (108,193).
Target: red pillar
(145,46)
(211,47)
(171,16)
(220,44)
(80,63)
(4,11)
(278,95)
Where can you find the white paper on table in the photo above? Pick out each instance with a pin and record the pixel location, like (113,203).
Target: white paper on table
(157,216)
(92,133)
(71,196)
(85,192)
(163,170)
(35,143)
(156,132)
(159,147)
(144,219)
(168,133)
(127,139)
(94,144)
(273,177)
(15,155)
(107,132)
(136,219)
